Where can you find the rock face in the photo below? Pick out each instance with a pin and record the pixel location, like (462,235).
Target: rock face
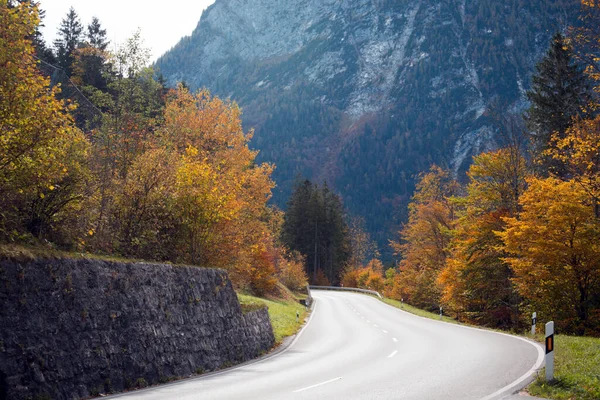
(74,328)
(367,93)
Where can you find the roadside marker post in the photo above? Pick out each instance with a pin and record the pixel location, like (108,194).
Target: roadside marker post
(441,312)
(533,322)
(297,316)
(549,351)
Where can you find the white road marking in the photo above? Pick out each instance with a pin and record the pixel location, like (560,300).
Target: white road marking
(318,384)
(394,339)
(376,326)
(520,380)
(393,354)
(384,331)
(368,321)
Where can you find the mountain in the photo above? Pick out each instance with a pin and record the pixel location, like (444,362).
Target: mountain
(368,93)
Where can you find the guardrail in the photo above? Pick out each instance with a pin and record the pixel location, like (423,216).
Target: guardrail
(345,289)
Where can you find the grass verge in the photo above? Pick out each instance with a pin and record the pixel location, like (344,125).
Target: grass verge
(576,370)
(281,311)
(418,311)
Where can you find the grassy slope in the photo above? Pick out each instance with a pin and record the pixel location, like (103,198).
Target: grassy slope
(576,372)
(282,312)
(418,311)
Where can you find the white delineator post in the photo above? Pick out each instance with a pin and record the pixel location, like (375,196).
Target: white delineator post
(441,312)
(549,351)
(533,322)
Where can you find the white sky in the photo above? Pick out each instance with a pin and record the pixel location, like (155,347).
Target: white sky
(162,23)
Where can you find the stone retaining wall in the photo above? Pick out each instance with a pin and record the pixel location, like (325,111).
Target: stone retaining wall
(76,328)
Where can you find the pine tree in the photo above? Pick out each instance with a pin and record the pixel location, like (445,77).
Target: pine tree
(558,94)
(69,38)
(315,226)
(90,67)
(96,36)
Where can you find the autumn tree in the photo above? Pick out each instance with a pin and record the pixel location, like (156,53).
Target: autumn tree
(220,192)
(363,247)
(586,39)
(132,110)
(553,251)
(476,281)
(424,240)
(579,151)
(42,154)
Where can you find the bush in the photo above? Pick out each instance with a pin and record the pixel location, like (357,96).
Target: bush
(291,271)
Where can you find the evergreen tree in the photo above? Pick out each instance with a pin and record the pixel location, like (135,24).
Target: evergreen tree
(90,67)
(315,226)
(69,38)
(559,93)
(96,36)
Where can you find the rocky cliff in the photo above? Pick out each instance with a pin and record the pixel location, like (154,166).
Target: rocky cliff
(74,328)
(367,93)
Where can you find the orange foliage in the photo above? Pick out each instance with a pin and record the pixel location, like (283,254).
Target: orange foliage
(369,277)
(321,279)
(291,271)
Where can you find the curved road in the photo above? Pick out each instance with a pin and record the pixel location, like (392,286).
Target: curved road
(356,347)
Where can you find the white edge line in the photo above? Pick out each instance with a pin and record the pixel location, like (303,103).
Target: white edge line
(525,376)
(512,385)
(393,354)
(318,384)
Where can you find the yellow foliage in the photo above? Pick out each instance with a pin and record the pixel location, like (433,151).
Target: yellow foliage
(554,249)
(41,151)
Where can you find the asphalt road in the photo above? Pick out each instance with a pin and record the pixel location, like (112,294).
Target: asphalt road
(356,347)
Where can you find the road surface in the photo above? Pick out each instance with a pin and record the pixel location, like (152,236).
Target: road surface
(356,347)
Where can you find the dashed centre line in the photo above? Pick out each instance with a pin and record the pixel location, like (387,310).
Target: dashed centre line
(393,354)
(384,331)
(394,339)
(318,384)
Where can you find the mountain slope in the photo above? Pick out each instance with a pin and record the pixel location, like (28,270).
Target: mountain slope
(367,93)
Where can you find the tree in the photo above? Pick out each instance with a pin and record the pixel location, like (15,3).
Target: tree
(363,248)
(96,36)
(220,192)
(90,60)
(554,253)
(559,93)
(425,238)
(314,225)
(586,39)
(579,151)
(42,153)
(476,281)
(69,39)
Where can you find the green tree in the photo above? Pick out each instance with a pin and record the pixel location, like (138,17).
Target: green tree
(69,38)
(559,93)
(314,225)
